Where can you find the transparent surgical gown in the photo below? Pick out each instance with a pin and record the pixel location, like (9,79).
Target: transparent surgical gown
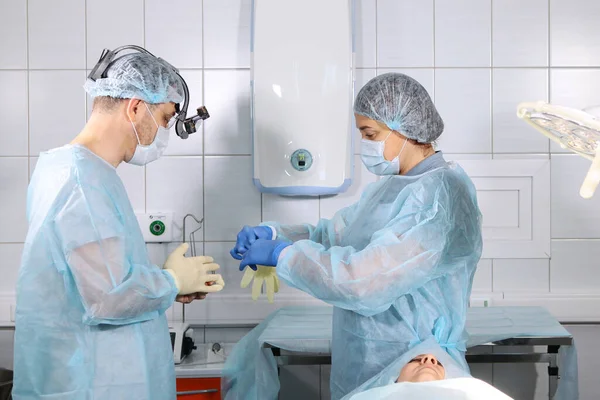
(90,320)
(398,266)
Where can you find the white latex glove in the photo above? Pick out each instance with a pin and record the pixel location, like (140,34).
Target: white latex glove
(268,275)
(193,274)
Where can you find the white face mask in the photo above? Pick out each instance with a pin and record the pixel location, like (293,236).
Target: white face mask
(372,157)
(146,153)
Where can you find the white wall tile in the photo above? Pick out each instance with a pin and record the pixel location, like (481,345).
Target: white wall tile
(458,157)
(134,180)
(405,33)
(157,253)
(32,164)
(13,34)
(482,282)
(172,246)
(462,97)
(290,210)
(574,266)
(13,192)
(529,275)
(506,216)
(114,23)
(425,76)
(174,184)
(520,39)
(511,87)
(169,37)
(575,87)
(10,254)
(56,108)
(462,33)
(56,34)
(231,200)
(365,35)
(227,33)
(574,33)
(89,102)
(14,134)
(362,177)
(544,156)
(228,101)
(572,216)
(362,76)
(192,146)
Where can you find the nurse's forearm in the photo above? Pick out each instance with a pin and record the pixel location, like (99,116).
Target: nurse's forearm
(321,233)
(366,281)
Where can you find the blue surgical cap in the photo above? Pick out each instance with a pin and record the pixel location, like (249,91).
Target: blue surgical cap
(139,76)
(401,103)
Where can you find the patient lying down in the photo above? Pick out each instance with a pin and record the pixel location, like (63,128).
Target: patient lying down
(424,377)
(422,368)
(426,372)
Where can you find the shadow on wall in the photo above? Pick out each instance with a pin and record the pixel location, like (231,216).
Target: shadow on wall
(6,348)
(520,381)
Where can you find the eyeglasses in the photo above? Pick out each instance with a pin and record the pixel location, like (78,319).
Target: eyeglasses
(172,121)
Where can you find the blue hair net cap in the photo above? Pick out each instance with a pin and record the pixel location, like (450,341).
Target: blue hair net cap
(401,103)
(139,76)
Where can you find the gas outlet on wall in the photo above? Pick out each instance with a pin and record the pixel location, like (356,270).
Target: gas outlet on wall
(156,227)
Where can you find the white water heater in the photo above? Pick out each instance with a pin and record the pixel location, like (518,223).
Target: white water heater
(302,94)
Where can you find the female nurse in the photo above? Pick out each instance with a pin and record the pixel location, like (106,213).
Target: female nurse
(398,264)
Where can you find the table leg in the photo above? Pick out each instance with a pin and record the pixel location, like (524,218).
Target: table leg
(553,373)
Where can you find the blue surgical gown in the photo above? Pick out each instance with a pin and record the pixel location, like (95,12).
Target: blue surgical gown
(90,316)
(397,266)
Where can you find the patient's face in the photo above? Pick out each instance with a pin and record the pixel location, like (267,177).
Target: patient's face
(422,368)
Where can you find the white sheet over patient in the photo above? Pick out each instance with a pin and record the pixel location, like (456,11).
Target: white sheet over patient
(448,389)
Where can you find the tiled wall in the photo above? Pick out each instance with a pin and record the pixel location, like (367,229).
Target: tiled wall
(477,58)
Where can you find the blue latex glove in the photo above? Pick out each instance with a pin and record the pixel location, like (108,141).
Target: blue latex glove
(247,236)
(263,252)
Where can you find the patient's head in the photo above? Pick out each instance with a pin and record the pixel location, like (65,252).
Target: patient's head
(422,368)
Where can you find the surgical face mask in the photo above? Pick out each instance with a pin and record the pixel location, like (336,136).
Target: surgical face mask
(145,154)
(372,157)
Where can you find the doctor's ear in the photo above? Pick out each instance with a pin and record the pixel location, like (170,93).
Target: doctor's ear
(133,109)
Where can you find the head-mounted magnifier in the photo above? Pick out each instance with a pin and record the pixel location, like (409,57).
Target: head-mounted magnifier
(183,126)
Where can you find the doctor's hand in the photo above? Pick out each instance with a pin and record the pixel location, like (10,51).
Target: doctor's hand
(263,252)
(247,236)
(193,274)
(188,298)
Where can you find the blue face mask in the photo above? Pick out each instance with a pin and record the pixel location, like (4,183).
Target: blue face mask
(372,157)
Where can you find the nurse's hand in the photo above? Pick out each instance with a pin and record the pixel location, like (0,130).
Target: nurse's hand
(247,236)
(188,298)
(263,252)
